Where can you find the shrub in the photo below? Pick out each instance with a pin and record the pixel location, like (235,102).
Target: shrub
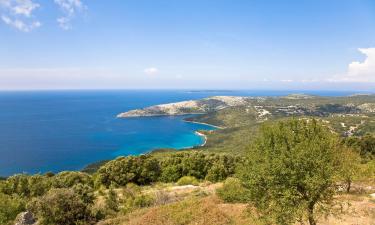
(26,186)
(364,144)
(142,170)
(17,184)
(68,179)
(216,173)
(10,207)
(133,198)
(60,207)
(111,201)
(143,200)
(170,173)
(186,180)
(232,191)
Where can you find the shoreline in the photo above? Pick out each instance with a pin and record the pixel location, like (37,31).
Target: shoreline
(207,124)
(204,137)
(155,115)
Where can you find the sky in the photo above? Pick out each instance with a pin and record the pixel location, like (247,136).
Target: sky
(187,44)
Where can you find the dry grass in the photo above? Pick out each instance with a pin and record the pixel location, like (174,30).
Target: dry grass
(356,210)
(188,208)
(192,211)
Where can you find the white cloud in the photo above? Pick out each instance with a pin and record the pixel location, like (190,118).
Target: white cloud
(360,71)
(19,14)
(70,8)
(288,81)
(151,71)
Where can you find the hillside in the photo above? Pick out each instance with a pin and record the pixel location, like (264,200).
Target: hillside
(264,107)
(188,107)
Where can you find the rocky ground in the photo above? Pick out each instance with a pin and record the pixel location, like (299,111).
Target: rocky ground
(198,205)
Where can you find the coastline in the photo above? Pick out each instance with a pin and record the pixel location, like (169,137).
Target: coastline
(207,124)
(204,137)
(155,115)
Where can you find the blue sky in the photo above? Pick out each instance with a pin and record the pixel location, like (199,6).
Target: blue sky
(210,44)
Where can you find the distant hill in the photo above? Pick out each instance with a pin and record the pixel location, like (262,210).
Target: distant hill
(189,107)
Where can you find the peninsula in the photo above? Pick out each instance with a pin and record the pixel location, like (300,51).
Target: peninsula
(201,106)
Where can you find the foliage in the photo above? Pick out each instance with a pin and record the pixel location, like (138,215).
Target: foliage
(60,206)
(10,207)
(291,170)
(350,166)
(232,191)
(365,145)
(146,169)
(111,201)
(85,192)
(26,186)
(133,198)
(140,170)
(187,180)
(68,179)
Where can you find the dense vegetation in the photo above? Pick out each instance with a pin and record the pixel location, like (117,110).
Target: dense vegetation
(68,197)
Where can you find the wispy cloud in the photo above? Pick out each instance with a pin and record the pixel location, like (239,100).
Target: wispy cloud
(19,14)
(287,81)
(359,71)
(70,8)
(151,71)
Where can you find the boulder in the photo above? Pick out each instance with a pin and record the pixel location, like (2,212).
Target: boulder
(25,218)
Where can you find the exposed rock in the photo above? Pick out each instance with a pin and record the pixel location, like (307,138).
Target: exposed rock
(299,96)
(367,107)
(25,218)
(189,107)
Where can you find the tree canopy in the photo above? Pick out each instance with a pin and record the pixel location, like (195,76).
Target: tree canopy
(291,170)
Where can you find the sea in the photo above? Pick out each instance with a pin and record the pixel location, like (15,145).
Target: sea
(53,131)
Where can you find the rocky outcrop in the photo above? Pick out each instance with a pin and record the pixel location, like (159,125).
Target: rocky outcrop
(189,107)
(367,107)
(25,218)
(299,96)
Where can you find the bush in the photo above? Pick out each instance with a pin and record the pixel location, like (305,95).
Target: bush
(232,191)
(143,200)
(216,173)
(111,202)
(26,186)
(60,207)
(365,145)
(187,180)
(133,198)
(68,179)
(10,207)
(145,169)
(142,170)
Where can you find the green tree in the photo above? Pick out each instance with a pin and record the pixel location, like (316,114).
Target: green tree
(68,179)
(216,173)
(365,145)
(350,166)
(142,169)
(291,170)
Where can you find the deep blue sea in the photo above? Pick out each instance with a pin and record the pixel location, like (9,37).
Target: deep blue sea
(44,131)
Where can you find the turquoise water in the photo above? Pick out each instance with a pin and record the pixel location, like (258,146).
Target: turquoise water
(44,131)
